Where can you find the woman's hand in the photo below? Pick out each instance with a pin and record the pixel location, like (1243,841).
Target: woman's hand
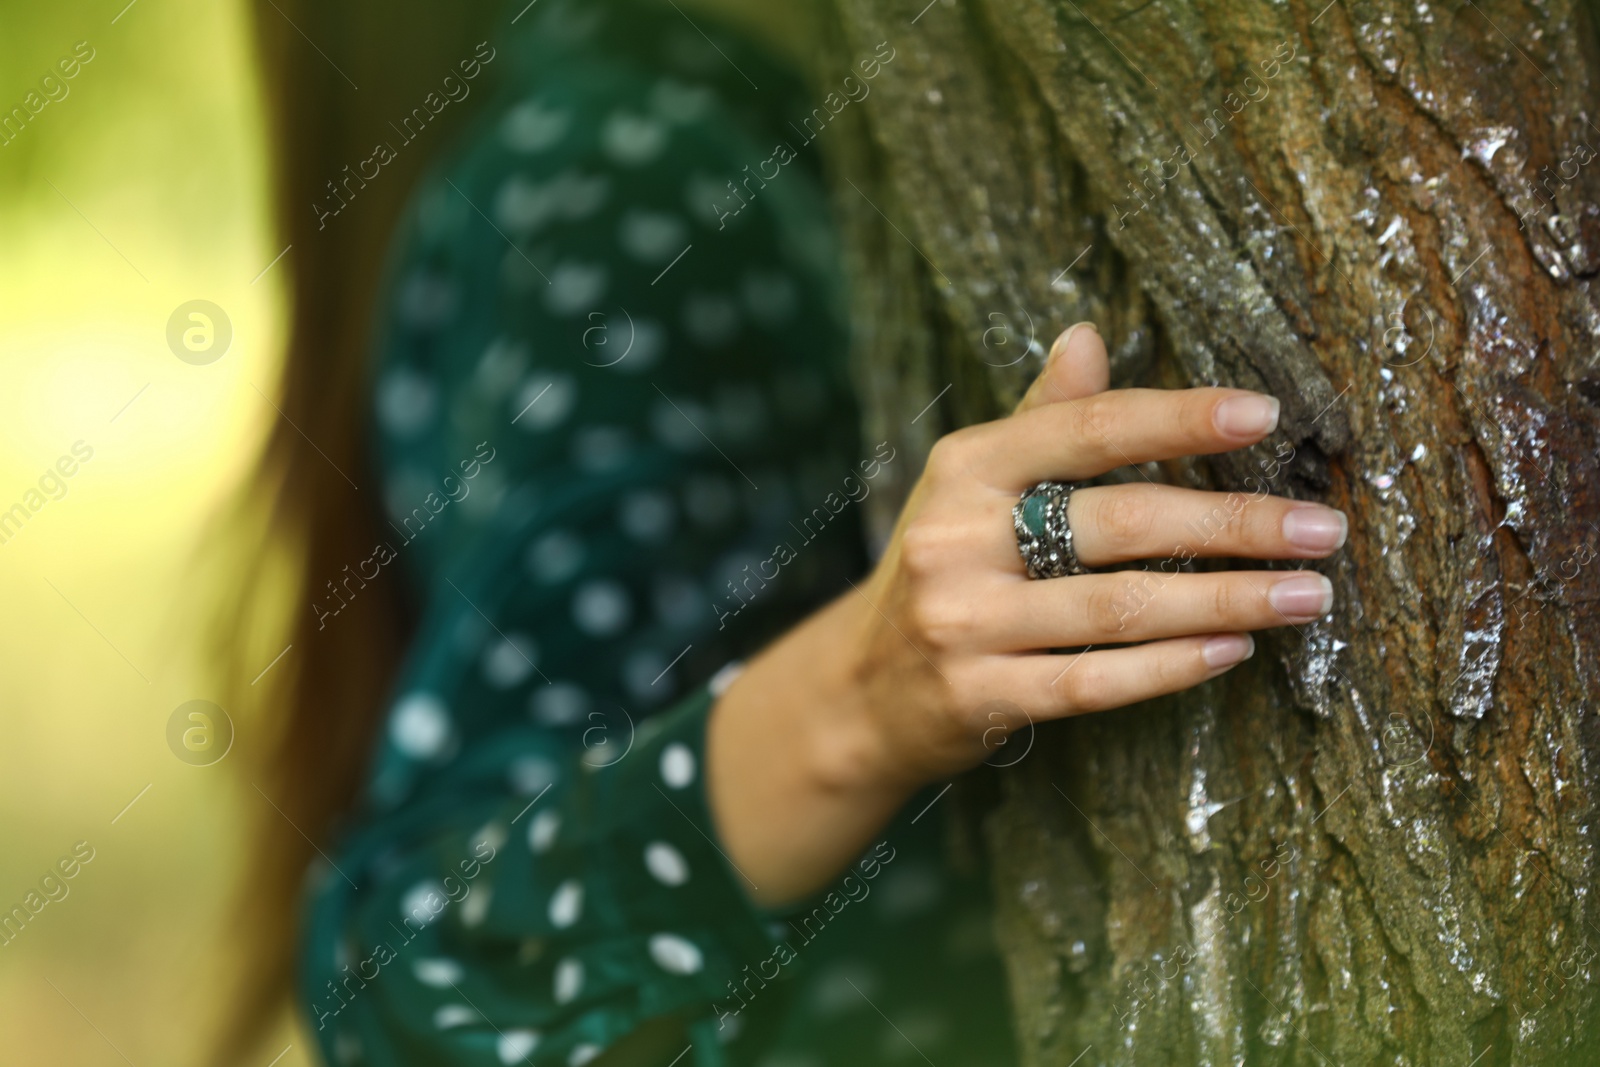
(918,673)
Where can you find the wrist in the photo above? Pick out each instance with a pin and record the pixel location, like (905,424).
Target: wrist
(847,751)
(798,776)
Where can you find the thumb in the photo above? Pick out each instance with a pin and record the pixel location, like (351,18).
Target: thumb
(1077,367)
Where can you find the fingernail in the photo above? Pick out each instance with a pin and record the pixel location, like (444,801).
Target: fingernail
(1315,528)
(1227,650)
(1303,597)
(1252,415)
(1060,345)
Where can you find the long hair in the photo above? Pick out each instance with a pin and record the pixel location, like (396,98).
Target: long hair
(334,75)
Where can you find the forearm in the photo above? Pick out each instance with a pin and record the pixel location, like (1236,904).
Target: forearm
(799,783)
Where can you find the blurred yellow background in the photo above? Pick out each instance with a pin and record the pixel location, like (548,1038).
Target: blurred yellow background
(142,188)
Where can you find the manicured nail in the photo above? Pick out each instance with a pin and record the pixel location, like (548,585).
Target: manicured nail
(1252,415)
(1315,528)
(1061,342)
(1227,650)
(1302,597)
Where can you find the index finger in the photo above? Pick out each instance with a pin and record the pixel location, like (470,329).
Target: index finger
(1082,438)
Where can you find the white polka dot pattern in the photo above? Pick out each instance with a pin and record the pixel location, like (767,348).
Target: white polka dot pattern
(555,557)
(515,1046)
(531,775)
(475,905)
(677,765)
(451,1015)
(675,955)
(543,402)
(420,726)
(633,140)
(490,836)
(424,902)
(648,515)
(542,831)
(509,661)
(559,704)
(566,904)
(438,973)
(601,608)
(575,287)
(501,366)
(568,980)
(533,127)
(406,402)
(652,237)
(666,864)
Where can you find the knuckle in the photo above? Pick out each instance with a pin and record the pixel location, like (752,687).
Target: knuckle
(1228,521)
(1242,522)
(937,620)
(922,548)
(1082,687)
(1103,609)
(1100,418)
(1108,608)
(1123,518)
(1227,600)
(948,456)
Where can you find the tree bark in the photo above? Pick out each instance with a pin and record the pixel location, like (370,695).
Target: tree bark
(1372,843)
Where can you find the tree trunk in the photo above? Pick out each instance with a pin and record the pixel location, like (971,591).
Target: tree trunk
(1372,843)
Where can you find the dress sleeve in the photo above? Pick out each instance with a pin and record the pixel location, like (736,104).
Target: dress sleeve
(536,914)
(537,872)
(596,524)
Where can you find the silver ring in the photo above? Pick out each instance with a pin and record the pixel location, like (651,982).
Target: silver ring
(1043,535)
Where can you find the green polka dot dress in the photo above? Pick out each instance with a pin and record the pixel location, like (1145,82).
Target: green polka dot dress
(619,454)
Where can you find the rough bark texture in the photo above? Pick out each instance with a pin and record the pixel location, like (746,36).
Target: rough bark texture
(1372,843)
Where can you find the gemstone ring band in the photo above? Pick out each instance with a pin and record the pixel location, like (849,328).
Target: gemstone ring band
(1043,536)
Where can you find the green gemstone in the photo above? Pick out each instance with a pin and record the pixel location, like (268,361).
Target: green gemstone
(1033,514)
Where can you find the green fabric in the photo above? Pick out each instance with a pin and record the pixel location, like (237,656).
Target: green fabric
(595,540)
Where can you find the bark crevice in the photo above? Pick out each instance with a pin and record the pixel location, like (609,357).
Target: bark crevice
(1425,752)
